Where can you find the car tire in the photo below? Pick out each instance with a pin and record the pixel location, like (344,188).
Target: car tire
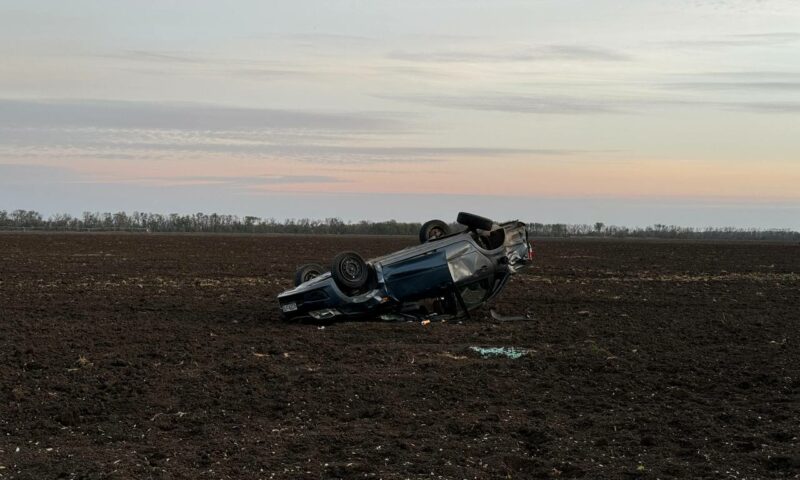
(433,230)
(474,222)
(349,271)
(306,272)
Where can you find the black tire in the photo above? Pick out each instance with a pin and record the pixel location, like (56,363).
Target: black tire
(474,222)
(433,230)
(306,272)
(349,270)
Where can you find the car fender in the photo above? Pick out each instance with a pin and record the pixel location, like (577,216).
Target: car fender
(466,262)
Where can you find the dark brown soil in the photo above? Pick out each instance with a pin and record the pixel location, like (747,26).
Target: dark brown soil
(162,356)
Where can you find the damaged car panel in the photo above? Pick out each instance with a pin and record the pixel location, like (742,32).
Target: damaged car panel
(448,274)
(417,276)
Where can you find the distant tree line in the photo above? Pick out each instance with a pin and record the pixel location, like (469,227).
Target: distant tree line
(216,223)
(198,222)
(600,229)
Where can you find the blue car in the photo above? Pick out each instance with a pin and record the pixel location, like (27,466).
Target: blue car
(447,274)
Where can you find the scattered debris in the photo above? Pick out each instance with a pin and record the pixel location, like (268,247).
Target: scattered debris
(507,318)
(178,414)
(494,352)
(453,356)
(84,362)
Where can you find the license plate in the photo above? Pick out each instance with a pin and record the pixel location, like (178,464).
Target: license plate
(289,307)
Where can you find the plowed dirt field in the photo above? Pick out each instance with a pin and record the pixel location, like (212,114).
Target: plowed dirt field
(162,356)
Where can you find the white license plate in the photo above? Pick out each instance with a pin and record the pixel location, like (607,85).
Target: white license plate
(289,307)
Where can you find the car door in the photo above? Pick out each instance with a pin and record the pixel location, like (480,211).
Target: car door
(418,277)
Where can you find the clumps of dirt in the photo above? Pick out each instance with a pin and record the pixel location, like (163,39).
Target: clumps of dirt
(164,357)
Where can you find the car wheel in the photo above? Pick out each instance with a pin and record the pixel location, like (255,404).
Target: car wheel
(474,222)
(349,270)
(432,230)
(306,272)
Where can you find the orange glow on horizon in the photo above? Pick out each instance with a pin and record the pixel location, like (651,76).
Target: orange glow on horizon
(512,176)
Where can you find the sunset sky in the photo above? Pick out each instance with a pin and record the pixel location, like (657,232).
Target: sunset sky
(628,112)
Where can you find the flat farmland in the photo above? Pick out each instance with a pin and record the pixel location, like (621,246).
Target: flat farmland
(163,356)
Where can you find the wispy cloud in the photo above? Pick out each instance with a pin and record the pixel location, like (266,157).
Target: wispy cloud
(317,39)
(719,86)
(11,174)
(169,63)
(767,39)
(238,181)
(524,54)
(597,103)
(128,145)
(126,131)
(165,58)
(272,73)
(763,107)
(179,116)
(743,75)
(541,104)
(741,6)
(156,56)
(779,82)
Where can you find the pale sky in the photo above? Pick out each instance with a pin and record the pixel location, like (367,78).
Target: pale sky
(628,112)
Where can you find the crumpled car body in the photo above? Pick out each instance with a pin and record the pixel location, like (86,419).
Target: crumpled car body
(451,275)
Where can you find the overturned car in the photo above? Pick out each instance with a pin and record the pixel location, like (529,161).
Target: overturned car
(447,274)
